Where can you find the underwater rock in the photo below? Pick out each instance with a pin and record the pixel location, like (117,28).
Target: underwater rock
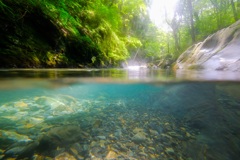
(169,151)
(164,138)
(33,112)
(20,152)
(59,136)
(78,151)
(143,154)
(101,137)
(153,132)
(139,137)
(64,156)
(118,133)
(137,130)
(7,123)
(9,137)
(56,137)
(59,105)
(111,155)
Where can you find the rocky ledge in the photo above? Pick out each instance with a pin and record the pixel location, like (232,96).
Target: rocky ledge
(219,51)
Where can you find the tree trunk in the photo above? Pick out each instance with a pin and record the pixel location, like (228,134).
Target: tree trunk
(175,29)
(238,5)
(168,44)
(175,35)
(192,28)
(217,12)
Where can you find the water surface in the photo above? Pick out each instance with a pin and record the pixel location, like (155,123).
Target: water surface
(119,114)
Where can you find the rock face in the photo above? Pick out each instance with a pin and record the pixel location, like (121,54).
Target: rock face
(219,51)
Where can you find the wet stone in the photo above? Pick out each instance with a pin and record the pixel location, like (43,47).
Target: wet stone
(100,132)
(111,155)
(64,155)
(169,151)
(143,154)
(139,137)
(153,132)
(101,137)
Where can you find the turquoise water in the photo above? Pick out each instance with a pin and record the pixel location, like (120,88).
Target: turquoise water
(118,114)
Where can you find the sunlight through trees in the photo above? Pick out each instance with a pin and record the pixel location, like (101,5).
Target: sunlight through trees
(101,33)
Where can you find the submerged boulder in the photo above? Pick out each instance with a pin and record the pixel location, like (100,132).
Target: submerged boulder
(219,51)
(46,142)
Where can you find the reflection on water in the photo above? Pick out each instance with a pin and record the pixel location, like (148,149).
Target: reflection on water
(121,74)
(138,74)
(105,115)
(207,75)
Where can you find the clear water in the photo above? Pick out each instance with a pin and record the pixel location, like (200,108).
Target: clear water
(119,114)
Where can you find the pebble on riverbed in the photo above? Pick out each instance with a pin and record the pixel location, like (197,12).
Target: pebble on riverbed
(92,130)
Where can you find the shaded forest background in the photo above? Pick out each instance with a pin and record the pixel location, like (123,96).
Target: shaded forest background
(104,33)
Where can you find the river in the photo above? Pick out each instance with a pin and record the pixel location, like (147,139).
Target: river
(119,114)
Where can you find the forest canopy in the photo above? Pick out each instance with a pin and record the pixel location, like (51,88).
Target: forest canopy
(103,33)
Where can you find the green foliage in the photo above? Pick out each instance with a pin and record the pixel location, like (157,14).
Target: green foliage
(98,22)
(103,33)
(90,31)
(213,18)
(53,59)
(2,6)
(132,42)
(191,25)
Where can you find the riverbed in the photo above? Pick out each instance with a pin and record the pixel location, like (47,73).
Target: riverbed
(119,114)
